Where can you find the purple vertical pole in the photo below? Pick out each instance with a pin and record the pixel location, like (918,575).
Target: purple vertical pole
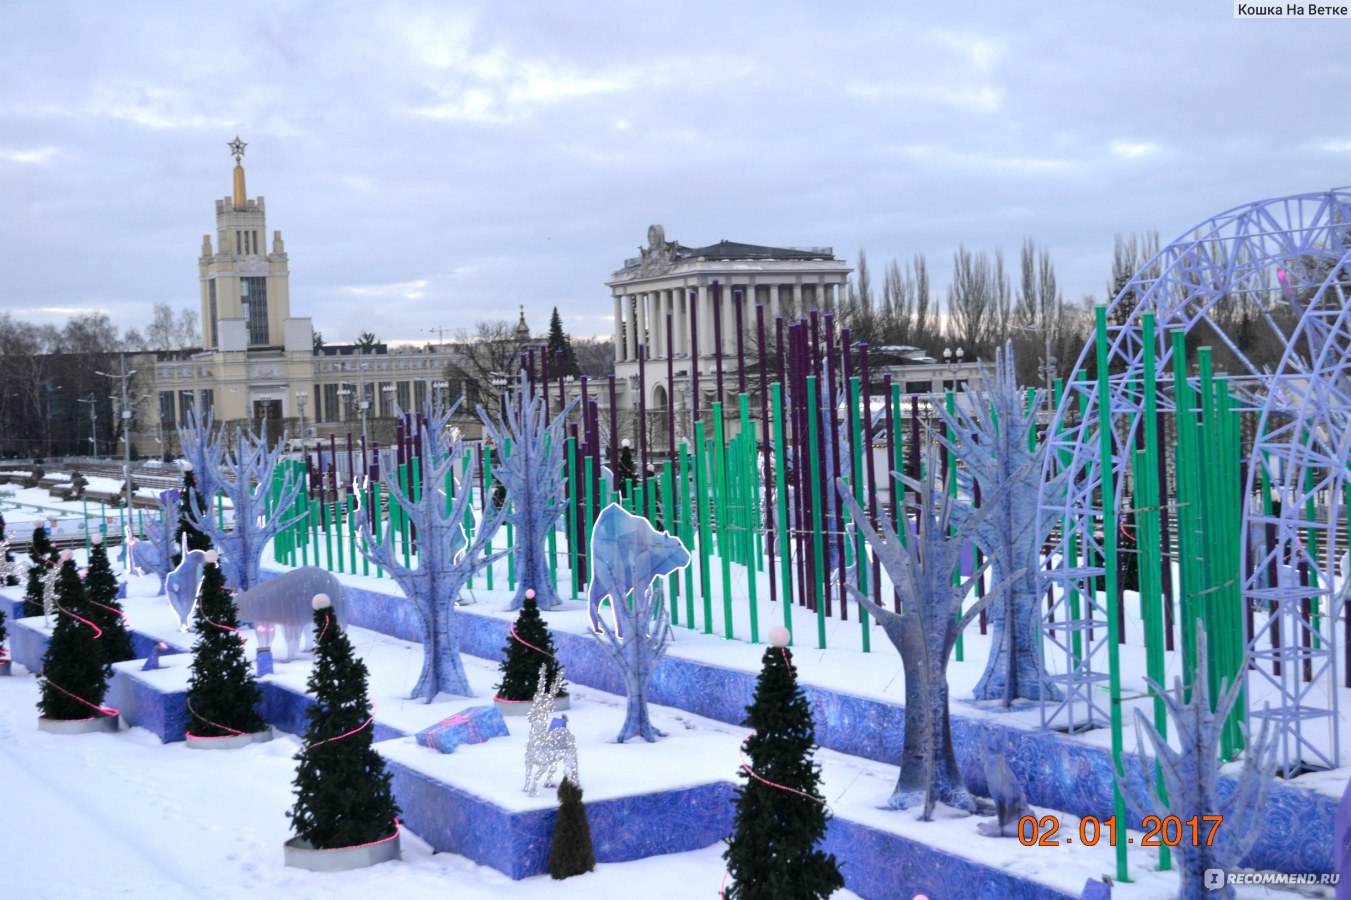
(717,336)
(562,376)
(614,427)
(694,354)
(738,300)
(333,461)
(544,380)
(767,476)
(914,436)
(802,469)
(642,420)
(830,476)
(670,383)
(896,488)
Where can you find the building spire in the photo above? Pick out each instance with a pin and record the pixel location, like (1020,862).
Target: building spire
(522,329)
(237,148)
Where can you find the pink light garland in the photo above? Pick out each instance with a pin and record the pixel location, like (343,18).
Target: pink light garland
(384,840)
(341,736)
(520,640)
(207,737)
(106,710)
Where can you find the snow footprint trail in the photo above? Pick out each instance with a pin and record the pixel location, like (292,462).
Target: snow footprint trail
(72,838)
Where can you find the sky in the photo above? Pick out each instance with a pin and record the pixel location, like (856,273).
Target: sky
(434,165)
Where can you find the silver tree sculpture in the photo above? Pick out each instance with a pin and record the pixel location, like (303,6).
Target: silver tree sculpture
(990,438)
(245,475)
(529,464)
(922,567)
(627,556)
(1191,777)
(446,559)
(156,553)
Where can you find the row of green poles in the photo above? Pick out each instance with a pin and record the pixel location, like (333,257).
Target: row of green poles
(1209,515)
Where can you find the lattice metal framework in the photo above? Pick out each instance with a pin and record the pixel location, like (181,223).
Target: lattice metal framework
(1286,260)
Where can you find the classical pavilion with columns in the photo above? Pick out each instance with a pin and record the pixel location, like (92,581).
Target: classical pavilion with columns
(664,299)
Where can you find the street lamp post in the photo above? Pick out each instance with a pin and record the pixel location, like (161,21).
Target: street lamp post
(1047,368)
(953,360)
(93,423)
(388,391)
(125,377)
(439,393)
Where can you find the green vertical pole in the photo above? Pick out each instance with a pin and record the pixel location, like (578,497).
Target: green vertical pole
(781,495)
(813,441)
(573,491)
(950,401)
(1147,544)
(748,480)
(1187,507)
(687,525)
(725,525)
(328,534)
(671,524)
(897,464)
(84,504)
(1110,560)
(701,505)
(856,476)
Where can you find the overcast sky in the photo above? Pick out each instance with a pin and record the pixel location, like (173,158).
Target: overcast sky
(432,165)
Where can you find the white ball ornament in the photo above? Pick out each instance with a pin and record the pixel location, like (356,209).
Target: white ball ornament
(212,557)
(187,466)
(626,443)
(321,601)
(96,539)
(780,636)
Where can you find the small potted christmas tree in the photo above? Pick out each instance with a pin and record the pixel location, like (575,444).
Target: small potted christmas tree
(345,816)
(571,852)
(780,813)
(529,644)
(100,588)
(43,557)
(223,695)
(74,674)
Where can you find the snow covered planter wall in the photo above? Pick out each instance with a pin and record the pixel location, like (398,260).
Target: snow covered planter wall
(1062,773)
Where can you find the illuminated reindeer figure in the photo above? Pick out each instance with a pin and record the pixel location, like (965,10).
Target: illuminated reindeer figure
(546,747)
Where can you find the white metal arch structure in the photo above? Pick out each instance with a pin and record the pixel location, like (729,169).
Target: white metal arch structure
(1232,257)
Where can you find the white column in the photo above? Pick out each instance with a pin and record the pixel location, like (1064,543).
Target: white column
(797,299)
(619,331)
(681,308)
(631,314)
(773,310)
(705,320)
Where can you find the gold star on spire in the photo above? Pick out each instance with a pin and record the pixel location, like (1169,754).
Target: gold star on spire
(237,148)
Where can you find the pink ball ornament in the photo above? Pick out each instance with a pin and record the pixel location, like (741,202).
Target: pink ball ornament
(780,636)
(530,593)
(65,556)
(321,601)
(212,557)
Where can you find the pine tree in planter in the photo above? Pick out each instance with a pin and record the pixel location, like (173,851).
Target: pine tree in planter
(343,793)
(193,501)
(100,588)
(529,644)
(222,692)
(772,851)
(571,852)
(10,567)
(74,675)
(43,556)
(625,472)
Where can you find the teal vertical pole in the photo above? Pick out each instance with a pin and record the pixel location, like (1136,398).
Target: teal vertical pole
(718,464)
(701,505)
(749,516)
(573,491)
(686,521)
(860,543)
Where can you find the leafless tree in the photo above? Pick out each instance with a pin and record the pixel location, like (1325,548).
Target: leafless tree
(169,332)
(491,351)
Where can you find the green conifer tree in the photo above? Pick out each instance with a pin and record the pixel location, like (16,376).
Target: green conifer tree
(559,340)
(100,588)
(223,694)
(192,499)
(772,851)
(43,556)
(625,472)
(343,793)
(571,852)
(520,663)
(10,580)
(74,675)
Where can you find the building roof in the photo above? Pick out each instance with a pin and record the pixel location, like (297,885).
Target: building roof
(734,250)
